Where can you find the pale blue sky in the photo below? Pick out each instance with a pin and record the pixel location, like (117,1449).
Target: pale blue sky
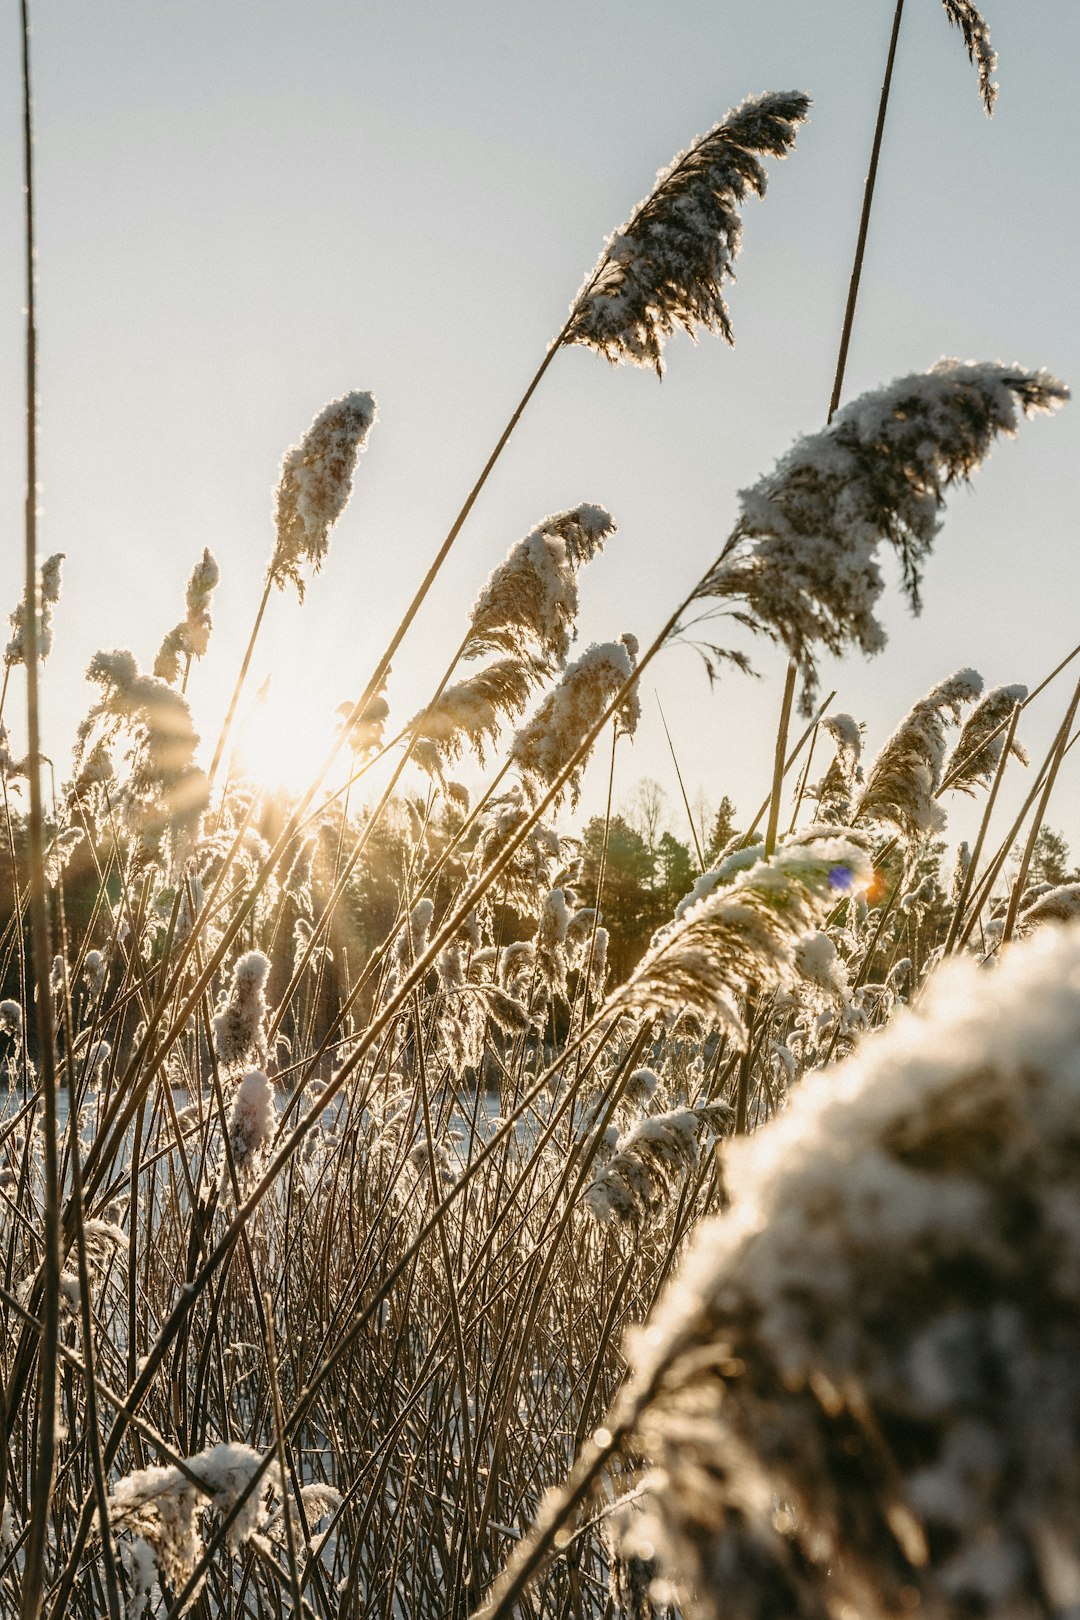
(247,207)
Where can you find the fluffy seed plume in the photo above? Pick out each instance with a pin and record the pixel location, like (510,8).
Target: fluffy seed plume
(666,267)
(802,558)
(240,1022)
(544,746)
(882,1333)
(649,1162)
(975,757)
(976,35)
(315,485)
(190,638)
(159,1507)
(529,604)
(902,781)
(471,713)
(48,596)
(745,933)
(251,1125)
(165,788)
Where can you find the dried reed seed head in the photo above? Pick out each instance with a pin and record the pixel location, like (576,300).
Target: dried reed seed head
(745,934)
(315,484)
(11,1019)
(802,559)
(528,606)
(191,637)
(545,745)
(977,752)
(883,1332)
(667,266)
(470,714)
(976,35)
(901,783)
(847,736)
(251,1125)
(240,1023)
(1060,903)
(648,1163)
(48,594)
(159,1508)
(165,789)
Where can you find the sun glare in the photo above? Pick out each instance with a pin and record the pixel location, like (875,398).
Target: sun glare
(282,746)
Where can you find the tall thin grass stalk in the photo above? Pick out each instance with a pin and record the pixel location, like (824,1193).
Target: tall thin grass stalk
(1037,820)
(682,788)
(864,217)
(984,888)
(976,853)
(48,1359)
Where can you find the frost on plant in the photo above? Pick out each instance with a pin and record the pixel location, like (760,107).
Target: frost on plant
(528,606)
(864,1386)
(160,1508)
(165,793)
(547,743)
(48,595)
(744,933)
(191,637)
(902,783)
(240,1022)
(801,564)
(974,760)
(667,266)
(315,484)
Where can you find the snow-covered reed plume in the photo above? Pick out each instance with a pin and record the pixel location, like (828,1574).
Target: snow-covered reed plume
(746,933)
(95,968)
(802,559)
(864,1386)
(528,606)
(190,638)
(160,1508)
(1058,903)
(48,596)
(165,790)
(251,1125)
(650,1160)
(315,484)
(667,266)
(549,947)
(471,713)
(978,750)
(366,731)
(545,744)
(240,1021)
(976,34)
(834,791)
(901,783)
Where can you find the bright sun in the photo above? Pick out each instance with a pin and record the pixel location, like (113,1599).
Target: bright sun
(282,745)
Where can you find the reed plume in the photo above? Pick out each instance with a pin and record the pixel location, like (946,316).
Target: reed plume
(801,562)
(745,933)
(529,604)
(48,594)
(902,783)
(863,1386)
(972,24)
(315,484)
(667,266)
(975,757)
(165,791)
(191,636)
(546,744)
